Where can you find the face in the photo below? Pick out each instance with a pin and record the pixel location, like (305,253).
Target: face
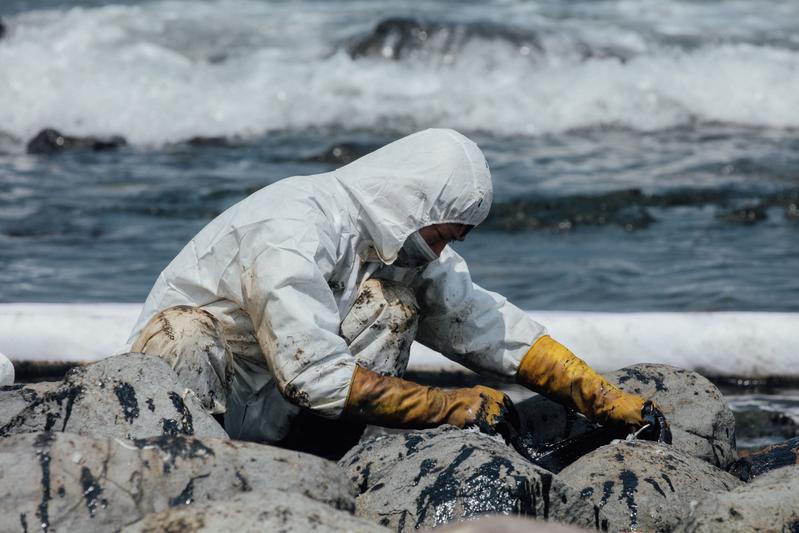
(437,236)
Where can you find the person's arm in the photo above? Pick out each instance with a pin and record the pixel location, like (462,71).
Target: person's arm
(486,333)
(297,325)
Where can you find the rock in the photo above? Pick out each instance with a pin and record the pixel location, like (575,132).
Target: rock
(127,396)
(265,510)
(426,478)
(6,371)
(645,485)
(401,38)
(2,29)
(756,424)
(769,503)
(66,482)
(508,524)
(701,421)
(50,141)
(756,462)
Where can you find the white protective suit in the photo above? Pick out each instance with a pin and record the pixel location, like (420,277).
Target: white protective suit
(281,268)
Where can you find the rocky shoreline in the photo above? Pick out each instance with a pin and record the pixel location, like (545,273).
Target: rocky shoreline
(118,445)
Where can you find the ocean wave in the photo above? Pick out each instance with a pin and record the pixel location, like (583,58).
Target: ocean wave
(160,73)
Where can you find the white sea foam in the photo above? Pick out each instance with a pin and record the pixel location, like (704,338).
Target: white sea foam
(168,71)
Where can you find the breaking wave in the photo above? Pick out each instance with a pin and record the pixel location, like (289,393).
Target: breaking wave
(169,71)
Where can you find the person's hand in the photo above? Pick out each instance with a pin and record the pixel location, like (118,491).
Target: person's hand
(490,410)
(656,427)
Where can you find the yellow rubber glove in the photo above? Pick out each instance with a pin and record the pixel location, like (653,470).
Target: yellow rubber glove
(554,371)
(394,402)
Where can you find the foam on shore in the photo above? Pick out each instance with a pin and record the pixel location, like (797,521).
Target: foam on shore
(718,343)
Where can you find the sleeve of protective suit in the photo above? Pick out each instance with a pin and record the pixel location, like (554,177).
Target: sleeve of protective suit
(294,313)
(475,327)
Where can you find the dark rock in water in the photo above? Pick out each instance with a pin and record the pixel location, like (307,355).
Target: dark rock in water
(343,153)
(745,215)
(50,141)
(758,423)
(67,482)
(126,396)
(644,485)
(769,503)
(2,29)
(427,478)
(701,421)
(264,510)
(401,38)
(754,463)
(220,141)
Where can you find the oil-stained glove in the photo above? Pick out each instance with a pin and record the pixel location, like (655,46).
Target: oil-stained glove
(554,371)
(656,426)
(394,402)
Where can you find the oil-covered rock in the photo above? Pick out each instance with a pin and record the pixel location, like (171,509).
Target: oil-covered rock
(255,512)
(702,423)
(63,482)
(128,396)
(769,503)
(427,478)
(644,485)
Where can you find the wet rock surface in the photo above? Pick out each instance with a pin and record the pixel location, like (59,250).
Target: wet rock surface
(65,482)
(266,510)
(508,524)
(6,371)
(754,463)
(769,503)
(702,423)
(645,485)
(127,396)
(427,478)
(50,141)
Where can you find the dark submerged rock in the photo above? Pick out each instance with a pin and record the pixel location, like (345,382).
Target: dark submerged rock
(51,141)
(2,29)
(126,396)
(401,37)
(751,424)
(427,478)
(66,482)
(265,510)
(769,503)
(343,153)
(645,485)
(701,421)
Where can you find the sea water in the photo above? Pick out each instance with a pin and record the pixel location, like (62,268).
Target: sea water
(645,153)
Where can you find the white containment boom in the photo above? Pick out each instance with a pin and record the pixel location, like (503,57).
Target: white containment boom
(715,343)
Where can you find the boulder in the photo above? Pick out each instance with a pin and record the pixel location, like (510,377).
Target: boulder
(50,141)
(254,512)
(702,423)
(66,482)
(6,371)
(427,478)
(128,396)
(508,524)
(769,503)
(645,485)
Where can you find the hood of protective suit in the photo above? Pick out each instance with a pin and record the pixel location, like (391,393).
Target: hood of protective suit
(434,176)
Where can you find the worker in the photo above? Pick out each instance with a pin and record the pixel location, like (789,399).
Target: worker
(294,310)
